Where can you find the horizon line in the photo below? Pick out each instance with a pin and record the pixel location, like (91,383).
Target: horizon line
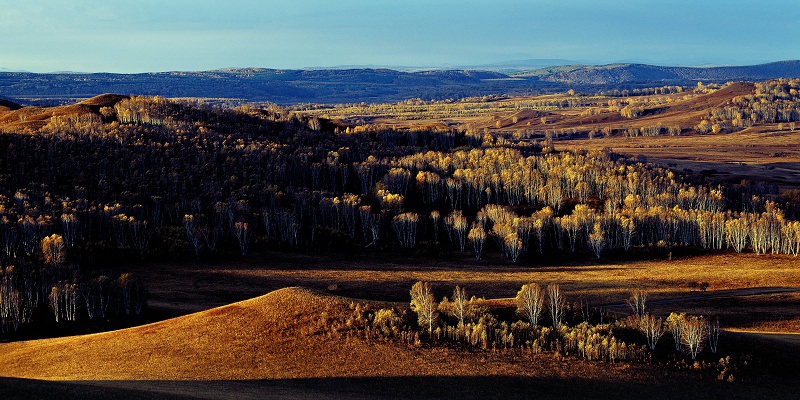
(493,66)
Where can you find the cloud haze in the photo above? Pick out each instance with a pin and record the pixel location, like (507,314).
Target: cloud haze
(137,36)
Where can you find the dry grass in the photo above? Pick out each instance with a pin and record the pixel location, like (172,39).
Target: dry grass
(267,338)
(390,278)
(759,154)
(741,287)
(272,345)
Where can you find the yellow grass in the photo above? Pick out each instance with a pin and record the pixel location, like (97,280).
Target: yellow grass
(603,282)
(263,338)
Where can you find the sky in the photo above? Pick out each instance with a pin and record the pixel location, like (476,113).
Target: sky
(193,35)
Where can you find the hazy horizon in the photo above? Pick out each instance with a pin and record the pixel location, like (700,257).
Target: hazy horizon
(153,36)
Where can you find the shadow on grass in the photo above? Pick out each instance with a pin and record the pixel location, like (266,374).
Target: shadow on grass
(461,388)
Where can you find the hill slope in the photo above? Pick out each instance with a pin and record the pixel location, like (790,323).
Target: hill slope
(266,337)
(15,118)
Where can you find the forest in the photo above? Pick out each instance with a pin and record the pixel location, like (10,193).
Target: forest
(116,179)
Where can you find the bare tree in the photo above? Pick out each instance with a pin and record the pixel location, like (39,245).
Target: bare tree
(693,335)
(241,230)
(713,331)
(556,304)
(460,304)
(405,227)
(652,328)
(140,235)
(63,301)
(423,303)
(192,233)
(530,302)
(69,228)
(638,302)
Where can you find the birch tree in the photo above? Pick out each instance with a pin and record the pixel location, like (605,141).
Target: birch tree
(556,304)
(693,335)
(638,302)
(652,328)
(530,302)
(423,303)
(477,236)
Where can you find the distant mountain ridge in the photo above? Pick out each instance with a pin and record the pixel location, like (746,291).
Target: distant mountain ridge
(369,84)
(615,74)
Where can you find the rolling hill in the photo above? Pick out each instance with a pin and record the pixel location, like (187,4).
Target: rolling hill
(275,345)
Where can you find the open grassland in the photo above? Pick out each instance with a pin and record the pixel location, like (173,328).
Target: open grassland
(758,154)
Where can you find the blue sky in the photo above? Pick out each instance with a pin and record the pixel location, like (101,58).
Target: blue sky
(148,35)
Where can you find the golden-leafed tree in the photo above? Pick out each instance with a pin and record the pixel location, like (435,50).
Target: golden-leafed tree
(423,303)
(54,250)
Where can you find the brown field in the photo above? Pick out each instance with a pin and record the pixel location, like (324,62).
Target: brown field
(756,154)
(268,346)
(768,282)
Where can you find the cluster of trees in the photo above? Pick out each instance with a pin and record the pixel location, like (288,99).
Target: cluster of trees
(643,91)
(546,322)
(571,329)
(772,102)
(44,284)
(416,109)
(149,177)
